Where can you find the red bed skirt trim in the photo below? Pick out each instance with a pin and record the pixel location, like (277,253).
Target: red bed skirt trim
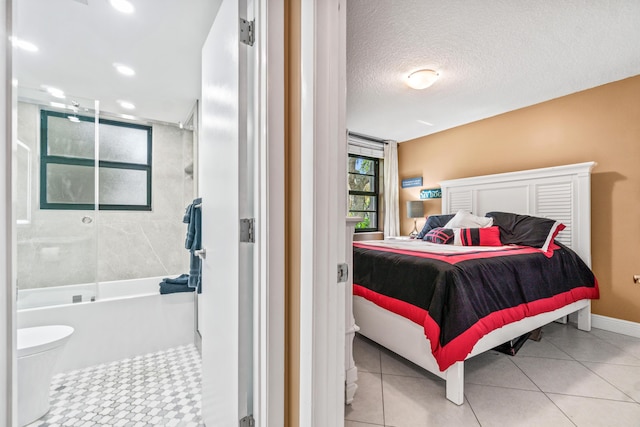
(460,347)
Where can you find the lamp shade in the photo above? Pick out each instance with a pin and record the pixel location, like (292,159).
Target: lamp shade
(415,209)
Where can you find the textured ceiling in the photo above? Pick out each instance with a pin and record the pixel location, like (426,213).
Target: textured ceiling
(78,44)
(494,56)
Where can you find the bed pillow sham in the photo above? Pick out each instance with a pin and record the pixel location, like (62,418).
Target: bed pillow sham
(440,235)
(526,230)
(434,221)
(488,236)
(465,219)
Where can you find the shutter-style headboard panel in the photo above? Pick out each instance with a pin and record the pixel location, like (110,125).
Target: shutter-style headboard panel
(562,193)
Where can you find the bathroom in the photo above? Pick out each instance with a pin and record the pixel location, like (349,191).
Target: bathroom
(98,270)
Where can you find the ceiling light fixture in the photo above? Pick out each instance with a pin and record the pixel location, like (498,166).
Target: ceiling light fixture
(124,70)
(127,105)
(422,79)
(123,6)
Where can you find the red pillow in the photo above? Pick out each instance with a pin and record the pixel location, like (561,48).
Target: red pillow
(488,236)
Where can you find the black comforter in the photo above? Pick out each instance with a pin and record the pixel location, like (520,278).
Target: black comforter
(460,297)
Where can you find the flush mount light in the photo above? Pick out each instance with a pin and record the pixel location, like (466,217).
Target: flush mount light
(124,70)
(123,6)
(127,105)
(24,45)
(422,79)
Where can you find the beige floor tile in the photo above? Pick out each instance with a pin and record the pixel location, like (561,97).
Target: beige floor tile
(498,406)
(567,377)
(496,369)
(593,349)
(589,412)
(411,402)
(542,348)
(366,354)
(625,378)
(367,402)
(348,423)
(393,364)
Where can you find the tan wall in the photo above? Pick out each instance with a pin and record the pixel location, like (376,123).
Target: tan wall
(600,124)
(292,212)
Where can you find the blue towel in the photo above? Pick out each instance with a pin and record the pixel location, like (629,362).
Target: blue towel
(170,288)
(182,279)
(193,242)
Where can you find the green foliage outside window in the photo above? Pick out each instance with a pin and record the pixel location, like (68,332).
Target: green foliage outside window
(363,191)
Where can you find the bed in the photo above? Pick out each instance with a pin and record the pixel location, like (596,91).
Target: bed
(392,307)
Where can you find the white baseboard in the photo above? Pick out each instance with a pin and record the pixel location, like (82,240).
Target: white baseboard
(615,325)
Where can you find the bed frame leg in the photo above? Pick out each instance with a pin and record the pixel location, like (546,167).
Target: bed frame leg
(455,383)
(584,318)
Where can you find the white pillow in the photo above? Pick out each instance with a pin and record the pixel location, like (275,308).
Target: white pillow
(464,219)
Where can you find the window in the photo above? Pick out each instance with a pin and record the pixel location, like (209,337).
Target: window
(67,160)
(363,191)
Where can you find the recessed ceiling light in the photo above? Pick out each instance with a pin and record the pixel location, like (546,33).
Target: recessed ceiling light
(58,104)
(425,123)
(128,116)
(73,119)
(127,105)
(124,70)
(56,93)
(24,45)
(422,79)
(123,6)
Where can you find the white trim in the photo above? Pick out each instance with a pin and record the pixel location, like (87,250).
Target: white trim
(8,125)
(323,182)
(618,326)
(269,329)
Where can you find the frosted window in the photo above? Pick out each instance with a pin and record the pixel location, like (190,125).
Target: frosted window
(68,164)
(123,187)
(70,184)
(70,139)
(123,144)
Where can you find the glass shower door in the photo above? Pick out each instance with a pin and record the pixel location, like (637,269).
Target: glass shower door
(56,199)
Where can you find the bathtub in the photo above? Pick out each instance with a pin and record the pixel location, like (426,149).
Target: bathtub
(127,318)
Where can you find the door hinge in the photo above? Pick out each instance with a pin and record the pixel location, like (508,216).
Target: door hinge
(247,32)
(247,230)
(343,272)
(247,421)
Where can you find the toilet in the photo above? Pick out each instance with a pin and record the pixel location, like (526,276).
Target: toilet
(38,350)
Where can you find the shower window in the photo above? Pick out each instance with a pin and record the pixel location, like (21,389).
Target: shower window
(67,174)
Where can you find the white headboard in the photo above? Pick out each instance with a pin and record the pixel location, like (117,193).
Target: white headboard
(562,193)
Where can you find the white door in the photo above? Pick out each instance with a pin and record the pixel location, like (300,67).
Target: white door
(226,162)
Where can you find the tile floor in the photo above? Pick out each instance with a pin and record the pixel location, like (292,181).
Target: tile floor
(157,389)
(569,378)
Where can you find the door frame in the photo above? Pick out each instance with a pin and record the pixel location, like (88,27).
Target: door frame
(324,205)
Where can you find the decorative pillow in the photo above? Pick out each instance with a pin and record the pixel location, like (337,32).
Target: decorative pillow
(434,221)
(464,219)
(526,230)
(488,236)
(443,236)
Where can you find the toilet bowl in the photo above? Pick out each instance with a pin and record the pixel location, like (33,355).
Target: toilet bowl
(38,350)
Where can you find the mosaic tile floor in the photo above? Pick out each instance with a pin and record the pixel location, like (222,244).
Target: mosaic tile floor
(157,389)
